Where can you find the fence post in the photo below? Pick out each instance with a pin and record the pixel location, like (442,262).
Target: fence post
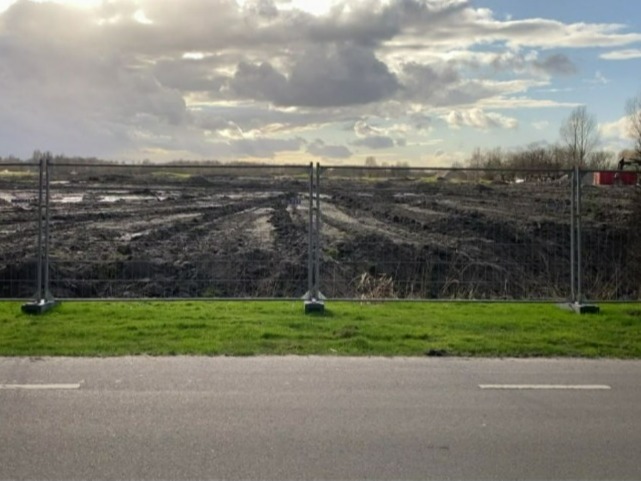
(313,297)
(317,243)
(310,234)
(579,281)
(48,162)
(44,300)
(573,236)
(576,304)
(41,168)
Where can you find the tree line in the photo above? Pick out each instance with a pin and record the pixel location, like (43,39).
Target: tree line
(577,146)
(542,157)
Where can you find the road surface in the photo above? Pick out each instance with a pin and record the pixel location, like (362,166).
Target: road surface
(319,418)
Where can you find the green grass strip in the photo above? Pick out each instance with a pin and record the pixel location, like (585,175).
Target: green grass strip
(355,329)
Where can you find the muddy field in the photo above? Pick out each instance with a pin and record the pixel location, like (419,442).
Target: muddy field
(153,232)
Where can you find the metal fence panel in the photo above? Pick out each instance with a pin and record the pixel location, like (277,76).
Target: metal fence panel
(19,187)
(195,231)
(445,234)
(180,231)
(610,236)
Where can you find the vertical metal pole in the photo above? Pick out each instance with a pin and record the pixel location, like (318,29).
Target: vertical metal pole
(40,195)
(579,276)
(310,232)
(47,293)
(317,235)
(573,236)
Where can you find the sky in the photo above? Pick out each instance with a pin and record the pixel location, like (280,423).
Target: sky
(296,81)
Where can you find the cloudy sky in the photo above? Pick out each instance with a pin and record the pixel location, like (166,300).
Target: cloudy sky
(421,81)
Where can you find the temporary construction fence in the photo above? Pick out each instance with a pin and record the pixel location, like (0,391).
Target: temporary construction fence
(426,234)
(20,230)
(117,231)
(478,234)
(75,230)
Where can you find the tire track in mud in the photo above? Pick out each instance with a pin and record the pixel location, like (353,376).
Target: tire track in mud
(257,249)
(216,252)
(471,220)
(436,240)
(135,218)
(223,258)
(465,246)
(18,251)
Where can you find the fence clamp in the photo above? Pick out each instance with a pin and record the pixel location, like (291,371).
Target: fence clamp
(39,307)
(314,303)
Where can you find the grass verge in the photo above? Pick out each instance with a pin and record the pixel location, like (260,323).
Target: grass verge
(277,328)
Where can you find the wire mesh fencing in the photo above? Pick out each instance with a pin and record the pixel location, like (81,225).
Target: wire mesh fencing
(185,231)
(19,191)
(97,231)
(445,234)
(610,235)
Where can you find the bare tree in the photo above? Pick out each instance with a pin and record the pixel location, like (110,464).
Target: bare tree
(475,162)
(580,135)
(633,110)
(601,160)
(476,159)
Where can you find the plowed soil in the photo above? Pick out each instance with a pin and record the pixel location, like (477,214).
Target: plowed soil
(245,234)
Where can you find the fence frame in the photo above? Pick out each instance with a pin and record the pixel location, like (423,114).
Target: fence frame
(43,300)
(571,176)
(314,298)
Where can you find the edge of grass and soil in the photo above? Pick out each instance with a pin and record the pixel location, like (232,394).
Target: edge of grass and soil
(346,328)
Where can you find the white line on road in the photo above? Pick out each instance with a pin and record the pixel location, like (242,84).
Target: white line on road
(580,387)
(40,386)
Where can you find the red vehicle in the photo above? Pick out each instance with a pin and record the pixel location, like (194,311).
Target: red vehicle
(622,177)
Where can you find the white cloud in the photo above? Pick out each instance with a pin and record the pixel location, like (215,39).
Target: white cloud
(523,102)
(363,128)
(543,124)
(479,119)
(261,77)
(319,148)
(554,34)
(5,4)
(376,142)
(627,54)
(617,130)
(321,77)
(617,136)
(376,137)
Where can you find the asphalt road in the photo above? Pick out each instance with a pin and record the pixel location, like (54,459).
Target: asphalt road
(319,418)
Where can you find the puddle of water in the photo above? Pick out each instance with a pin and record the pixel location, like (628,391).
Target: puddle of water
(133,235)
(249,195)
(68,199)
(110,199)
(13,198)
(104,199)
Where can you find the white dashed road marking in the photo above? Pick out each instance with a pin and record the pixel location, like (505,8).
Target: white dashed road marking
(40,386)
(578,387)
